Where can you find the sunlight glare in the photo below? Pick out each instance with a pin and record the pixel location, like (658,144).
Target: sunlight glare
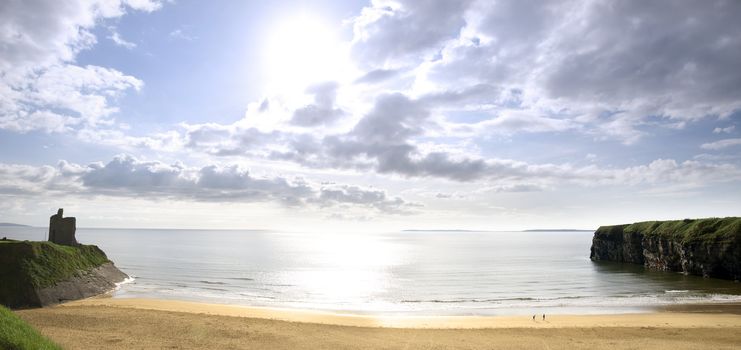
(349,270)
(303,50)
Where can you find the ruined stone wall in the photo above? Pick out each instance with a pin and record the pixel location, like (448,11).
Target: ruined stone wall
(62,230)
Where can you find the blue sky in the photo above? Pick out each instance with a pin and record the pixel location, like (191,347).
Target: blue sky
(379,115)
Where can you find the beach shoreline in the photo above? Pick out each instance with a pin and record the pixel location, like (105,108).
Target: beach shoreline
(684,315)
(118,323)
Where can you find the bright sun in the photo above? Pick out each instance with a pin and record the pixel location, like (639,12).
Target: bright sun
(303,50)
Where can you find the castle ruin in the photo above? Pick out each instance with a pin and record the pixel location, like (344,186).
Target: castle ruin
(62,230)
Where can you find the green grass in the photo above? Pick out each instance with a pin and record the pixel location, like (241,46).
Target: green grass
(28,265)
(15,334)
(688,230)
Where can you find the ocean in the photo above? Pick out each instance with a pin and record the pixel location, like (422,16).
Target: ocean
(411,273)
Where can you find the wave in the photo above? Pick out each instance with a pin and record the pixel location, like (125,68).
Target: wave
(441,301)
(212,282)
(673,297)
(127,280)
(256,296)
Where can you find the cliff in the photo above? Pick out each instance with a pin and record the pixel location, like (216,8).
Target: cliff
(44,273)
(705,247)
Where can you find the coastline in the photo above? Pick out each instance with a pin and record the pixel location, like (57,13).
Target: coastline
(157,324)
(685,315)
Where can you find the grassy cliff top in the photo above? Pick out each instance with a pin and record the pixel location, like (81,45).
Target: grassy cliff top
(17,334)
(687,230)
(25,264)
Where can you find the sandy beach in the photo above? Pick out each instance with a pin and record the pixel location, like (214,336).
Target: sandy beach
(156,324)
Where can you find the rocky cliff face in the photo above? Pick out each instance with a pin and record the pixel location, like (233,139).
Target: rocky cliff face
(705,247)
(86,284)
(43,273)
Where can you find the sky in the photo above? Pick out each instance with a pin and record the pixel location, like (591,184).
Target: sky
(369,116)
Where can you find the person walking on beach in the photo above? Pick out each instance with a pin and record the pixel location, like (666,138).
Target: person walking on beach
(543,317)
(533,317)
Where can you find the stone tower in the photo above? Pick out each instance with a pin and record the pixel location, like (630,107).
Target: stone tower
(62,230)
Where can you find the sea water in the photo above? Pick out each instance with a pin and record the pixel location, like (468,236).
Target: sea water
(415,272)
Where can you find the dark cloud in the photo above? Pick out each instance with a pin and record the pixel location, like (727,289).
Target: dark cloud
(386,33)
(377,76)
(313,115)
(634,48)
(611,66)
(601,70)
(393,120)
(382,140)
(323,110)
(227,140)
(479,94)
(354,195)
(126,176)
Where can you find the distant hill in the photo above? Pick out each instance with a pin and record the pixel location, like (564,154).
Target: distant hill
(418,230)
(536,230)
(6,224)
(557,230)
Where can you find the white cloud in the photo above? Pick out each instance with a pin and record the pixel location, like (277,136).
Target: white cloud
(126,176)
(388,32)
(129,177)
(610,68)
(511,122)
(168,141)
(63,97)
(118,40)
(441,80)
(323,110)
(144,5)
(18,179)
(384,140)
(41,86)
(668,171)
(726,130)
(721,144)
(180,34)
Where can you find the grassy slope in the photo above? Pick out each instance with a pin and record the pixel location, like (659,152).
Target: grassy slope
(692,230)
(25,264)
(15,334)
(685,231)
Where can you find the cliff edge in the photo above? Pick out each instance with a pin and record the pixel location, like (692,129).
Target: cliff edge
(706,247)
(36,274)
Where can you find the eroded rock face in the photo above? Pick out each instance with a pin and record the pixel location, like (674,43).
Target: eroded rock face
(708,254)
(611,243)
(62,230)
(99,280)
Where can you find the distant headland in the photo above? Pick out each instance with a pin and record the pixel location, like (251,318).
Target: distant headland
(557,230)
(438,230)
(10,224)
(533,230)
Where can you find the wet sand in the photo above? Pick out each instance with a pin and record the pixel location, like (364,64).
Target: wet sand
(157,324)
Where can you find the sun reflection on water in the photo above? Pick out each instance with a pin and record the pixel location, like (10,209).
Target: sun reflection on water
(345,269)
